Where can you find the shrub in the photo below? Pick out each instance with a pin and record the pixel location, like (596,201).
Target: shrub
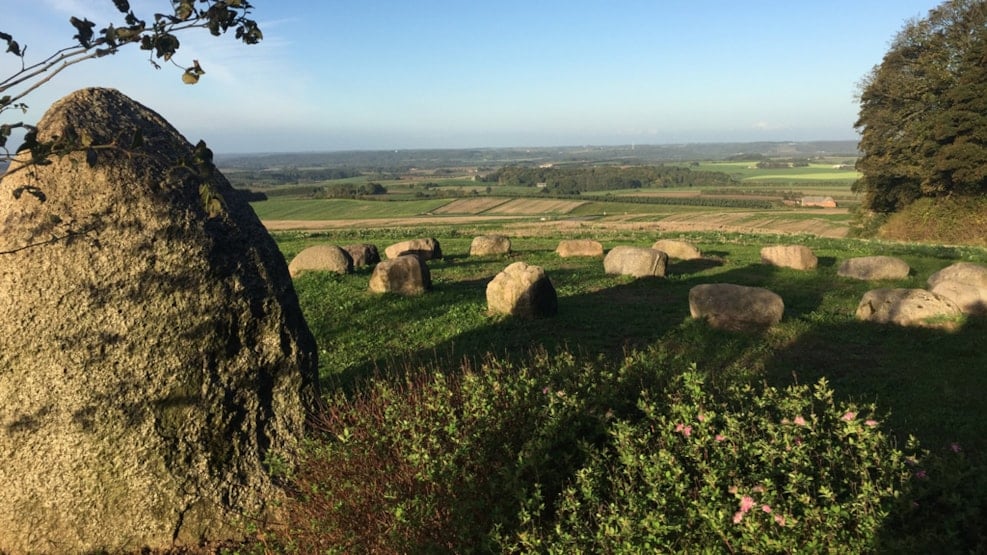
(738,471)
(562,455)
(434,463)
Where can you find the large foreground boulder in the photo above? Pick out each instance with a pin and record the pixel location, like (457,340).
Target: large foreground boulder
(635,261)
(522,290)
(405,275)
(908,307)
(874,268)
(797,257)
(735,307)
(964,283)
(677,249)
(321,258)
(486,245)
(152,351)
(426,249)
(579,247)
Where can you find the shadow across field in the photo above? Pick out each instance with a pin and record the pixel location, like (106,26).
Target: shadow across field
(924,382)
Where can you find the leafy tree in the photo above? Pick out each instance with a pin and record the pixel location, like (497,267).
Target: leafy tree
(923,113)
(159,38)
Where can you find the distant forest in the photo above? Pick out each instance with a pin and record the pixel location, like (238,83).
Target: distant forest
(574,180)
(488,159)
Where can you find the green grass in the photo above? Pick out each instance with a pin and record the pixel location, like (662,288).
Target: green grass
(928,382)
(361,334)
(747,171)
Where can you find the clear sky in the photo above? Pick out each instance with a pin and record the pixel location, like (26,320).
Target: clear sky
(372,74)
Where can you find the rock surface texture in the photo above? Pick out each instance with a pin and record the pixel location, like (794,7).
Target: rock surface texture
(363,254)
(908,307)
(152,354)
(486,245)
(735,307)
(579,247)
(426,249)
(405,275)
(797,257)
(635,261)
(965,284)
(522,290)
(321,258)
(874,268)
(677,249)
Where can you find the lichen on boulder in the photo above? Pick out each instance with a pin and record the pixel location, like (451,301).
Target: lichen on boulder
(153,356)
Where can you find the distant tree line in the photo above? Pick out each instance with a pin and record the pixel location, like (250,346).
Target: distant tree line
(790,163)
(575,180)
(352,190)
(287,176)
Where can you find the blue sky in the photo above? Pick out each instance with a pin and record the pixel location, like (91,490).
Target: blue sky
(369,74)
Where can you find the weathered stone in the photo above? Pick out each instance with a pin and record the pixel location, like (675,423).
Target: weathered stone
(152,354)
(426,249)
(908,307)
(635,261)
(579,247)
(874,268)
(363,254)
(405,275)
(486,245)
(522,290)
(321,258)
(965,284)
(677,249)
(797,257)
(735,307)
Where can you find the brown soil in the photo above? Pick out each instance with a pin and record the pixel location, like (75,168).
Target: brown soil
(739,222)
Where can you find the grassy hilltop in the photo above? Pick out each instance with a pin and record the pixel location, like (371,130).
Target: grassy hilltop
(601,429)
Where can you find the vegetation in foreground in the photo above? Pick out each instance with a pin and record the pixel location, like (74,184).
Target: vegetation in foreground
(621,425)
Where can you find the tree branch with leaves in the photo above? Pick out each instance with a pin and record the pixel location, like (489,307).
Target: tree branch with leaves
(158,35)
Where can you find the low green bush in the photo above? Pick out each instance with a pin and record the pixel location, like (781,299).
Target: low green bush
(567,455)
(737,470)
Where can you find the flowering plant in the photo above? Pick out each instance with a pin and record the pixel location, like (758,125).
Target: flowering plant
(742,470)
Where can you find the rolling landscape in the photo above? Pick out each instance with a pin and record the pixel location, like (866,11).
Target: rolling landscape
(388,362)
(370,308)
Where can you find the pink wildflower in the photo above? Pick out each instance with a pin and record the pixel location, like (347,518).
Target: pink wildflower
(737,517)
(719,437)
(746,504)
(679,427)
(702,417)
(780,520)
(871,423)
(799,421)
(766,508)
(687,431)
(955,447)
(921,475)
(850,415)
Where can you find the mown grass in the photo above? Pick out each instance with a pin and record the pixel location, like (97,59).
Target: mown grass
(929,382)
(748,172)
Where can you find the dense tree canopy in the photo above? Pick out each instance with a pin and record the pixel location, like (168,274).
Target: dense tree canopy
(923,111)
(158,35)
(577,179)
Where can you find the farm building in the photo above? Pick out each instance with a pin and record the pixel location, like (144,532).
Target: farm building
(822,202)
